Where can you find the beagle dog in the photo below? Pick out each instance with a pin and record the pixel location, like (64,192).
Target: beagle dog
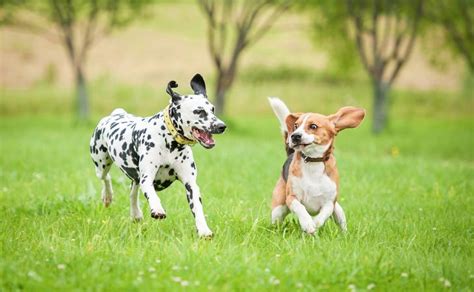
(308,184)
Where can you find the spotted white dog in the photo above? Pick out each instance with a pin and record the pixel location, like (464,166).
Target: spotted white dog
(155,151)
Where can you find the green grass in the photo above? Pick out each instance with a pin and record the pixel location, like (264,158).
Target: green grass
(408,196)
(408,193)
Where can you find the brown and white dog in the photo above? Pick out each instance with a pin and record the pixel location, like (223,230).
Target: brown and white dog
(308,184)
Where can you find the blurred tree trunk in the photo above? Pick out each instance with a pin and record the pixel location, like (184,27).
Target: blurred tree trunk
(385,33)
(381,90)
(82,96)
(221,91)
(77,24)
(232,27)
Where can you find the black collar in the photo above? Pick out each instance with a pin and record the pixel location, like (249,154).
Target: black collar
(307,159)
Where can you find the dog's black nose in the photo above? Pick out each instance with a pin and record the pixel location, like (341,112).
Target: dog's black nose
(220,128)
(296,137)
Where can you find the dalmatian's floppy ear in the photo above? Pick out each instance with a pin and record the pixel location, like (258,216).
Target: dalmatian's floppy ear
(175,97)
(198,85)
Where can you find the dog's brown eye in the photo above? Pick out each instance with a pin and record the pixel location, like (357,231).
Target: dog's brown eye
(313,126)
(296,126)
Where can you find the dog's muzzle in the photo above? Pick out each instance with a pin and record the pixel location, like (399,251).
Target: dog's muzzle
(296,138)
(218,128)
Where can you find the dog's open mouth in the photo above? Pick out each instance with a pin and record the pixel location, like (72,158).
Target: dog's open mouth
(299,146)
(204,138)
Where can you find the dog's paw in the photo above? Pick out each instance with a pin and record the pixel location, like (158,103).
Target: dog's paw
(137,217)
(205,234)
(158,214)
(308,226)
(107,201)
(318,222)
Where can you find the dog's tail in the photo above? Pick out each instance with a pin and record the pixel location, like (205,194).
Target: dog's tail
(281,111)
(118,111)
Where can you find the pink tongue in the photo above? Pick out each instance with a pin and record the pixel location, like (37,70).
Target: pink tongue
(206,138)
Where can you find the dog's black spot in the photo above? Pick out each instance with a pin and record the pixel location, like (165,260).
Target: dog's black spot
(97,134)
(123,156)
(189,197)
(131,172)
(124,145)
(175,146)
(121,134)
(161,185)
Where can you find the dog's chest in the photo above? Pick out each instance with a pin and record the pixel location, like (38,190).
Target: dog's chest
(313,188)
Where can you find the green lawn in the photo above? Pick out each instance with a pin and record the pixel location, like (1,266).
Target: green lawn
(408,196)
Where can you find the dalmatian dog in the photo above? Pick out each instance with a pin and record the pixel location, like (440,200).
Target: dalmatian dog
(155,151)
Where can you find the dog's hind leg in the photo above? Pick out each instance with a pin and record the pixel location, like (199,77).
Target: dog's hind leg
(102,162)
(279,207)
(135,210)
(340,217)
(103,174)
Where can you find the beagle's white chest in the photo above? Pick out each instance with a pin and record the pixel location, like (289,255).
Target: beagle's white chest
(314,188)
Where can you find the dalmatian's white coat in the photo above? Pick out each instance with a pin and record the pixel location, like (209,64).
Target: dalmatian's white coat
(146,151)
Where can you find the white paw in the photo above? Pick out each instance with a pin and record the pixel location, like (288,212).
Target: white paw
(137,215)
(318,222)
(343,226)
(278,214)
(308,226)
(106,199)
(205,233)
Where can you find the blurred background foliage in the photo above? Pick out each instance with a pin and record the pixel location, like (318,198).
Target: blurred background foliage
(59,56)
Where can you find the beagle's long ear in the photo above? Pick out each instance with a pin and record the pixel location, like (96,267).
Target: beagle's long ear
(290,121)
(347,117)
(175,97)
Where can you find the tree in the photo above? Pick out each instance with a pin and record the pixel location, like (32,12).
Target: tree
(456,17)
(78,24)
(383,53)
(232,27)
(384,33)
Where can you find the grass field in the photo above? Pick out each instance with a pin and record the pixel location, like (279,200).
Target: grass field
(408,196)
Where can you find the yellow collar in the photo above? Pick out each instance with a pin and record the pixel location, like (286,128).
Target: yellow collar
(176,136)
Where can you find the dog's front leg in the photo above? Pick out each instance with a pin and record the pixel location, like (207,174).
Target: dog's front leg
(324,213)
(340,217)
(300,211)
(193,195)
(188,177)
(147,175)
